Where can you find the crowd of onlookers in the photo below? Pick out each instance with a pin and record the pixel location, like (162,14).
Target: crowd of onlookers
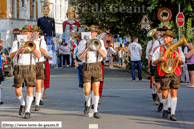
(65,54)
(120,56)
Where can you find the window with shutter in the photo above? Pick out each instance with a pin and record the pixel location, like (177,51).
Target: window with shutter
(18,8)
(3,8)
(31,9)
(36,9)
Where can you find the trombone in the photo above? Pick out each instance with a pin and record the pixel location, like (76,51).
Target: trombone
(29,46)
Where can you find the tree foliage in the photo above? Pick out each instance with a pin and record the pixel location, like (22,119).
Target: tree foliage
(123,16)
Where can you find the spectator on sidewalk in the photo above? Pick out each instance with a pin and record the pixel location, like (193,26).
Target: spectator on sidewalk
(66,55)
(60,51)
(111,53)
(1,71)
(73,46)
(185,73)
(135,53)
(190,63)
(121,55)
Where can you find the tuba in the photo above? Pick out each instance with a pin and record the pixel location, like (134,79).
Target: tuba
(29,46)
(171,65)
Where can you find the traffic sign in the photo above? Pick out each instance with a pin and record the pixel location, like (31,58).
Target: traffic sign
(145,23)
(145,20)
(164,14)
(16,31)
(180,19)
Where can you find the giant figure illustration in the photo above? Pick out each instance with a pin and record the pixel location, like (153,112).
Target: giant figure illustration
(47,25)
(71,27)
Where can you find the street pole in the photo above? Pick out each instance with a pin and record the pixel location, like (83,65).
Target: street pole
(179,27)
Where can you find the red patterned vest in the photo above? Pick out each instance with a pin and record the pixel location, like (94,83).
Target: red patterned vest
(76,23)
(177,71)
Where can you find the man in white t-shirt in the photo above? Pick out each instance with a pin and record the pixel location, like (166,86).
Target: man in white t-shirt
(135,53)
(92,70)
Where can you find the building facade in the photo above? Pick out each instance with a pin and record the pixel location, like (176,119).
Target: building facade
(17,13)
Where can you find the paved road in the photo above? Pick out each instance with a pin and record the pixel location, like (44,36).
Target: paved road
(125,105)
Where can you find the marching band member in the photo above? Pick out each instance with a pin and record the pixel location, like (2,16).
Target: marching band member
(39,66)
(92,70)
(157,43)
(149,47)
(168,80)
(24,71)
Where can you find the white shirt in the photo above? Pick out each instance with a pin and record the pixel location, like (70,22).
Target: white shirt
(148,48)
(66,50)
(185,50)
(91,55)
(111,51)
(156,55)
(134,49)
(156,44)
(43,46)
(61,51)
(24,59)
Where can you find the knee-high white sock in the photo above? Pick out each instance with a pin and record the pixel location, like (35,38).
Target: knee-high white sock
(165,103)
(169,100)
(38,96)
(42,90)
(173,105)
(154,90)
(92,97)
(21,99)
(28,103)
(96,99)
(160,97)
(87,98)
(0,93)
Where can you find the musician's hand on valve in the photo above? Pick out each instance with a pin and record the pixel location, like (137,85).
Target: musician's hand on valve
(163,60)
(178,58)
(21,50)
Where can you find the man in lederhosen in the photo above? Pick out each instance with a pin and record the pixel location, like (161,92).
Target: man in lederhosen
(168,80)
(39,66)
(92,70)
(24,71)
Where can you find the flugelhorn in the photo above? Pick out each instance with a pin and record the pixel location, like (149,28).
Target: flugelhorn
(171,65)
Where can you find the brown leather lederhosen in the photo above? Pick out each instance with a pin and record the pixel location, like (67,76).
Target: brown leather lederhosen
(92,72)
